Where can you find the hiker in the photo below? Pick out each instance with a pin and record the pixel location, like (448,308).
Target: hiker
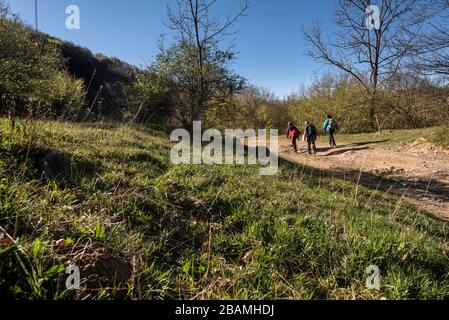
(331,127)
(293,133)
(310,133)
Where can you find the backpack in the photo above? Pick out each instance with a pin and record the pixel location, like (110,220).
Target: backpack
(295,132)
(311,130)
(332,124)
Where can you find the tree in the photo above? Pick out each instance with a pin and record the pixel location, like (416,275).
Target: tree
(337,94)
(416,101)
(196,90)
(432,48)
(33,78)
(196,63)
(150,98)
(372,56)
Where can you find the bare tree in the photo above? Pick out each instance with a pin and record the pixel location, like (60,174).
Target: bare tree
(199,29)
(195,24)
(4,9)
(371,54)
(432,47)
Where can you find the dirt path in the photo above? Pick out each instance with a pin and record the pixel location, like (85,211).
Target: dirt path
(418,172)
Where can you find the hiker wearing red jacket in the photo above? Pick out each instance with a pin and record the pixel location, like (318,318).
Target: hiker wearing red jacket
(293,133)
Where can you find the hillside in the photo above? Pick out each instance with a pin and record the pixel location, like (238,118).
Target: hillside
(102,75)
(139,227)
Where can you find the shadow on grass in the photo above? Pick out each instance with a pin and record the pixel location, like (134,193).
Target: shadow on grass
(428,194)
(139,157)
(46,164)
(431,224)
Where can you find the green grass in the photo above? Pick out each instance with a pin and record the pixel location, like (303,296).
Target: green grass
(139,228)
(441,137)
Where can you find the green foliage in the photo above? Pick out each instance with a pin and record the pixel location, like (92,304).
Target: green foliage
(252,108)
(405,103)
(345,101)
(62,93)
(98,71)
(199,85)
(149,98)
(6,198)
(32,73)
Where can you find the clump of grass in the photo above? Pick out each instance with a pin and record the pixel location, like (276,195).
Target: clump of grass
(202,232)
(441,137)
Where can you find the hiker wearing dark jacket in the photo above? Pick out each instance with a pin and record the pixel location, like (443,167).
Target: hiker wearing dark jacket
(293,133)
(311,134)
(331,127)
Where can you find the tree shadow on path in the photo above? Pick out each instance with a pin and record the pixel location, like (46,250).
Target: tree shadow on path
(356,146)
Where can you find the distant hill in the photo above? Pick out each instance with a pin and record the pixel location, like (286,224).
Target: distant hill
(99,71)
(82,63)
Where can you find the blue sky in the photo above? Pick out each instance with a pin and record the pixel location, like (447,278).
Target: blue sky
(269,44)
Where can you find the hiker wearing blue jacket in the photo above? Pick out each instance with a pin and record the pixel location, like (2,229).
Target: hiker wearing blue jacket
(331,127)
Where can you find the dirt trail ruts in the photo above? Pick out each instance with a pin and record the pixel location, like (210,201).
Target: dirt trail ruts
(418,172)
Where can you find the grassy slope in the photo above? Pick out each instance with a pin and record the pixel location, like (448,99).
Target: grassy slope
(126,213)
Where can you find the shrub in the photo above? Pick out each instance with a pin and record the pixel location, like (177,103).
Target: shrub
(32,73)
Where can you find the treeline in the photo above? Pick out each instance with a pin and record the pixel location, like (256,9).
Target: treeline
(391,78)
(406,102)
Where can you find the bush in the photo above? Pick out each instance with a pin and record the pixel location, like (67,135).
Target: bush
(32,73)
